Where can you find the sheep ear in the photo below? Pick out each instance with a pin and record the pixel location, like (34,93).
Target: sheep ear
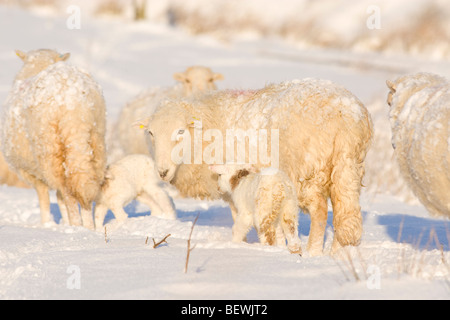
(218,76)
(391,85)
(141,124)
(64,57)
(22,55)
(195,123)
(179,76)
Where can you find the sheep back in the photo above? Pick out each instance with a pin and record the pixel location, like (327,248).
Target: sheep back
(420,116)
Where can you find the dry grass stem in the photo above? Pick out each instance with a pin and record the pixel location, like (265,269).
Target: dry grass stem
(189,248)
(156,244)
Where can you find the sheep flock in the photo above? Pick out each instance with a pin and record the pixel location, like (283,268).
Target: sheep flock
(300,142)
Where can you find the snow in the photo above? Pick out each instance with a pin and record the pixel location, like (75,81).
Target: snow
(404,253)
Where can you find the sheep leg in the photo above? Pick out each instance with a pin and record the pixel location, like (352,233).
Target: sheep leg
(159,202)
(119,213)
(280,239)
(266,219)
(318,211)
(289,224)
(44,201)
(149,202)
(62,207)
(241,226)
(100,213)
(347,218)
(227,198)
(87,218)
(72,210)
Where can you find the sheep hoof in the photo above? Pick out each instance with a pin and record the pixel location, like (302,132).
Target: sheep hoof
(296,251)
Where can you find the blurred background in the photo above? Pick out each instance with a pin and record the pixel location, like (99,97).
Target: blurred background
(420,27)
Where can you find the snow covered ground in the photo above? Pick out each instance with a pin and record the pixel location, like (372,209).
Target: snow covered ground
(404,254)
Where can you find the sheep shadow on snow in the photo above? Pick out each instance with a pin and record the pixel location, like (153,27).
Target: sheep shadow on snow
(416,231)
(412,230)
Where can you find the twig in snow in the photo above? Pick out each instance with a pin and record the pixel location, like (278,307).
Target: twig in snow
(106,236)
(155,244)
(189,248)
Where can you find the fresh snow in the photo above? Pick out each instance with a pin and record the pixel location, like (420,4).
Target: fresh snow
(404,253)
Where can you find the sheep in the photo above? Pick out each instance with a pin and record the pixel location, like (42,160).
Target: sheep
(9,177)
(419,117)
(132,177)
(53,134)
(319,132)
(267,200)
(194,80)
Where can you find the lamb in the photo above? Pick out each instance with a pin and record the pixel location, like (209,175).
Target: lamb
(319,136)
(132,177)
(419,116)
(53,134)
(267,200)
(194,80)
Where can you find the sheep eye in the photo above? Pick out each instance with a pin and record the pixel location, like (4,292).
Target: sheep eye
(150,133)
(181,131)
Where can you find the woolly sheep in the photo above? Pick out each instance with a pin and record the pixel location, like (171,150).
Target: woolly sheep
(194,80)
(324,133)
(419,117)
(132,177)
(266,200)
(53,134)
(9,177)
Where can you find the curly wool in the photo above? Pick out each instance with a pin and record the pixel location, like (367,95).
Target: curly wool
(53,129)
(419,117)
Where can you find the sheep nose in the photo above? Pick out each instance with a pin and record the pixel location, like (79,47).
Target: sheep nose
(163,174)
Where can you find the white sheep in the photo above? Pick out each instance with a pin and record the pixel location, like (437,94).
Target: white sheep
(133,177)
(9,177)
(131,139)
(53,134)
(266,200)
(420,121)
(317,132)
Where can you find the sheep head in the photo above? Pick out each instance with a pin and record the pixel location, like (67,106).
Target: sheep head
(37,61)
(197,79)
(170,134)
(230,175)
(392,88)
(405,86)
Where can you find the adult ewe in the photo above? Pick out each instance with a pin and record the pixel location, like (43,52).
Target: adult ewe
(53,133)
(323,130)
(419,116)
(194,80)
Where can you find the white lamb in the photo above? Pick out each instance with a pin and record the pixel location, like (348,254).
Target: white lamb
(132,140)
(321,134)
(53,134)
(133,177)
(266,200)
(420,122)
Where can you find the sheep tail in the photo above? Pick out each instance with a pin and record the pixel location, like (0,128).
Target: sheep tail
(84,162)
